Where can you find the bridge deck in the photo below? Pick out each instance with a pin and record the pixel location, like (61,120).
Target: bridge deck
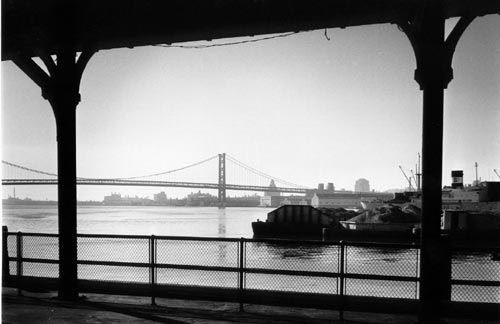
(142,183)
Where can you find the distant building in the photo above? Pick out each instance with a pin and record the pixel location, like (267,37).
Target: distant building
(201,199)
(295,200)
(115,199)
(329,187)
(160,198)
(271,198)
(337,199)
(362,185)
(272,185)
(270,201)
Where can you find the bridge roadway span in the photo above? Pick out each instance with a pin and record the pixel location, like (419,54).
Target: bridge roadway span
(142,183)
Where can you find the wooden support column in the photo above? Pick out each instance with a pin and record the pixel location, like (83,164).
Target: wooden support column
(433,56)
(64,98)
(61,88)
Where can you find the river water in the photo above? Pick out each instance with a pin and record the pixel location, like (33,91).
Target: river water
(230,223)
(140,220)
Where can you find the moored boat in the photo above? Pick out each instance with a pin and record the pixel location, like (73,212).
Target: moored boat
(300,221)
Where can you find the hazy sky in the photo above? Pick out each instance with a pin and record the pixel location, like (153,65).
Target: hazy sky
(301,108)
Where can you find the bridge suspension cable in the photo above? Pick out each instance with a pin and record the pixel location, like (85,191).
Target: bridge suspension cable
(28,169)
(262,174)
(169,171)
(136,180)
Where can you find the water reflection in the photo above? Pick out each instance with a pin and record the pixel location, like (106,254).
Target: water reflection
(294,250)
(222,248)
(231,222)
(222,222)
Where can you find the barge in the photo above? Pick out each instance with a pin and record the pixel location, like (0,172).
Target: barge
(300,221)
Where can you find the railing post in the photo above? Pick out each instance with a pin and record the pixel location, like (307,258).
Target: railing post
(417,275)
(342,279)
(5,256)
(241,272)
(19,242)
(152,268)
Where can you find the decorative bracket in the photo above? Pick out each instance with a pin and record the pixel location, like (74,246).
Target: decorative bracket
(414,32)
(57,81)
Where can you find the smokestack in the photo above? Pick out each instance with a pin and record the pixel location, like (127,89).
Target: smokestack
(321,187)
(330,187)
(457,179)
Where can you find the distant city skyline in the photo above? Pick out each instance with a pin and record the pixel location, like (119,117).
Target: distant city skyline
(302,108)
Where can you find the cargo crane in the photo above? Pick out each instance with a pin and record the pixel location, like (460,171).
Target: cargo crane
(495,170)
(419,174)
(414,179)
(408,179)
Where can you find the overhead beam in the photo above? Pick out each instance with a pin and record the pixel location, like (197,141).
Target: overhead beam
(28,26)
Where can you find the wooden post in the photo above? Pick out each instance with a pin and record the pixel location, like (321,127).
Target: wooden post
(433,54)
(5,255)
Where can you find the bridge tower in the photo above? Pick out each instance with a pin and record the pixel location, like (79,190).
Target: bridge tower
(222,181)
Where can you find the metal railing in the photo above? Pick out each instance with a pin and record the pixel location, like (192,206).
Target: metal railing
(245,270)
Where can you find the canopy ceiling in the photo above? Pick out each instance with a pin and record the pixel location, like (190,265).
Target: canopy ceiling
(32,28)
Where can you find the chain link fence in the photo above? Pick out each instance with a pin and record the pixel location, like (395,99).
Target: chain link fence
(114,258)
(387,270)
(315,267)
(475,275)
(310,267)
(197,262)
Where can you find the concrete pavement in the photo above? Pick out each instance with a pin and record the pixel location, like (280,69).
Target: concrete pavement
(45,308)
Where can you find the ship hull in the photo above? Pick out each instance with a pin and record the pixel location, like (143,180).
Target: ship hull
(272,230)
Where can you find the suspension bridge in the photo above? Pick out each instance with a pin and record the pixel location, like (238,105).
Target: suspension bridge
(220,172)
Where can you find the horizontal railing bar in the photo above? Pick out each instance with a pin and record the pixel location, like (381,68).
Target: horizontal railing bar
(380,277)
(382,245)
(479,249)
(195,267)
(226,239)
(32,234)
(134,264)
(259,271)
(172,238)
(196,238)
(118,236)
(291,241)
(114,263)
(256,240)
(33,260)
(484,283)
(293,272)
(127,236)
(330,274)
(250,270)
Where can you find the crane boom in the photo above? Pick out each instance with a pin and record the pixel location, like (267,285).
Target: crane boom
(414,178)
(408,179)
(495,170)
